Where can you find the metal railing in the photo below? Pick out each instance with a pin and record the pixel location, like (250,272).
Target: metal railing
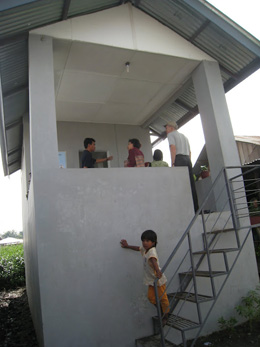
(231,192)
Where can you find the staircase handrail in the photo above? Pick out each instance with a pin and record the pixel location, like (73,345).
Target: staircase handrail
(201,208)
(190,225)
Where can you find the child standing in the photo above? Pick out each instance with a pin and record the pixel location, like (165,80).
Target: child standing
(152,270)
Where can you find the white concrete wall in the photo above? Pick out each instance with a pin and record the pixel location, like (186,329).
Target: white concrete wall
(112,138)
(87,281)
(203,187)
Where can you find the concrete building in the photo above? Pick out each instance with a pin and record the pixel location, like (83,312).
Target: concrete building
(248,150)
(83,289)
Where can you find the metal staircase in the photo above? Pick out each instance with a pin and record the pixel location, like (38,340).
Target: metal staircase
(205,261)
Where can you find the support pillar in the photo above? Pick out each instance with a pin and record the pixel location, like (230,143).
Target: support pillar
(218,132)
(220,142)
(43,129)
(44,162)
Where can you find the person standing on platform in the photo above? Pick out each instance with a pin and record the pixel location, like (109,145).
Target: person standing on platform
(135,155)
(181,154)
(158,159)
(87,161)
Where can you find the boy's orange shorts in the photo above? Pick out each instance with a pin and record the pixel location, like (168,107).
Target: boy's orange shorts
(162,296)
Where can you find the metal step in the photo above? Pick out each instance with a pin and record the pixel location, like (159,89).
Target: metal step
(152,341)
(189,297)
(204,273)
(220,231)
(180,323)
(223,250)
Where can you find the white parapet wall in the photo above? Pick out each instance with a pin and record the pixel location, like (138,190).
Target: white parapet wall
(90,289)
(87,281)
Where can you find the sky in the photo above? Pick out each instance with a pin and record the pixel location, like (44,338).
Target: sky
(242,104)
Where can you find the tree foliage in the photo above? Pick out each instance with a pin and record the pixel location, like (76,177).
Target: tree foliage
(12,270)
(12,233)
(250,306)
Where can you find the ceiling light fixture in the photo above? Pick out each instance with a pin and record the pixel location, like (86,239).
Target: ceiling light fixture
(127,65)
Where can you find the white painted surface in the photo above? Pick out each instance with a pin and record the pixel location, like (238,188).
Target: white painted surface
(42,105)
(126,27)
(87,280)
(92,83)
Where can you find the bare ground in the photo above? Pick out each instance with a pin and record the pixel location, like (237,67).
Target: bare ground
(16,326)
(241,336)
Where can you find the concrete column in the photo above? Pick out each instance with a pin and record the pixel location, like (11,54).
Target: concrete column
(218,132)
(43,132)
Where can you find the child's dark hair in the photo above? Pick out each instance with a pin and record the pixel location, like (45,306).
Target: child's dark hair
(157,155)
(149,235)
(136,143)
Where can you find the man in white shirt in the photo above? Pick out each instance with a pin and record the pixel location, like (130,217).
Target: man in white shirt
(181,154)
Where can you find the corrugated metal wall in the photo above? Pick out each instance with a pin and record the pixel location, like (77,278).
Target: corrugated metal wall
(248,152)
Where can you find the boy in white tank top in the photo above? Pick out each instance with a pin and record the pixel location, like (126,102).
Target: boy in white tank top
(152,270)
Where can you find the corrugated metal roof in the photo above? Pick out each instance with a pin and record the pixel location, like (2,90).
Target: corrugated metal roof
(14,65)
(81,7)
(23,18)
(237,52)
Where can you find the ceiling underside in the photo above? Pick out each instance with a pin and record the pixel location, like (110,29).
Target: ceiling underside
(237,52)
(93,84)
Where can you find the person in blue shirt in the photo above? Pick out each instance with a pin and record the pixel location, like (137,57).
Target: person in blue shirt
(87,161)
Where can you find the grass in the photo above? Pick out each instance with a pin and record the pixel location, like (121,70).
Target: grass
(12,270)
